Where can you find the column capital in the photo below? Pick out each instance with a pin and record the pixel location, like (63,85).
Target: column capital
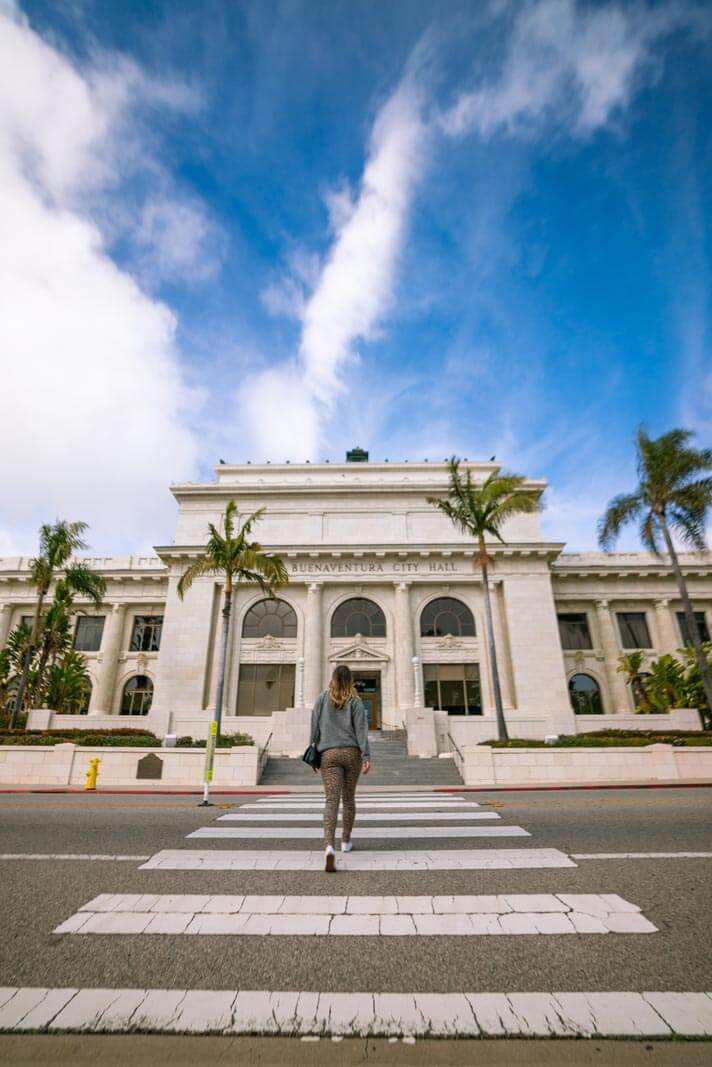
(602,605)
(402,587)
(662,603)
(116,608)
(314,587)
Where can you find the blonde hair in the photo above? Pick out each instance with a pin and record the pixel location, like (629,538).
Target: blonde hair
(341,686)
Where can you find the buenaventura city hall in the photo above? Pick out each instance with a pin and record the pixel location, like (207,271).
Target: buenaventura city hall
(380,580)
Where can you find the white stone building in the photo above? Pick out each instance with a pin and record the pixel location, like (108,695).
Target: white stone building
(380,580)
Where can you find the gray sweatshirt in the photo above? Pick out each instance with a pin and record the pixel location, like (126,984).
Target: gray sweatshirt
(345,727)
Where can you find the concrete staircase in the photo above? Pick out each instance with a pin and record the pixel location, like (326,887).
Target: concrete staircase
(391,766)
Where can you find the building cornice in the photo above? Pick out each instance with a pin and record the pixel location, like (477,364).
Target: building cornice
(520,550)
(628,565)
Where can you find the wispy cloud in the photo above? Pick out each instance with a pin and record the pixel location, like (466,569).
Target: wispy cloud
(353,291)
(569,64)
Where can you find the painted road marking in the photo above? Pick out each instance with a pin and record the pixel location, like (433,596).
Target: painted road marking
(360,833)
(382,805)
(452,916)
(440,860)
(403,816)
(296,798)
(290,1013)
(641,855)
(66,856)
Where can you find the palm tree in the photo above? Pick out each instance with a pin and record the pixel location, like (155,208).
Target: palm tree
(630,664)
(482,510)
(235,559)
(673,495)
(58,543)
(82,581)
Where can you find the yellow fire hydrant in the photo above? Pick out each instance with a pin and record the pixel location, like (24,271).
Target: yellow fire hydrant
(92,773)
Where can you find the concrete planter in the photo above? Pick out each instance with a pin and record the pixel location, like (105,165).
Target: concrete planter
(67,764)
(485,766)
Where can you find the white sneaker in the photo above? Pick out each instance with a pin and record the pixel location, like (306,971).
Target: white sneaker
(346,846)
(329,862)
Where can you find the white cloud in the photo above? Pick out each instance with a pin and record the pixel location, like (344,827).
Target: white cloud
(94,406)
(354,288)
(568,63)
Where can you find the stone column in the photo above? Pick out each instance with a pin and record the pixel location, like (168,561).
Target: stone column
(668,637)
(403,646)
(313,638)
(618,695)
(102,698)
(5,619)
(501,645)
(417,682)
(299,696)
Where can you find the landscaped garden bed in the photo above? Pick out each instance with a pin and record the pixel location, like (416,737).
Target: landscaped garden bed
(612,739)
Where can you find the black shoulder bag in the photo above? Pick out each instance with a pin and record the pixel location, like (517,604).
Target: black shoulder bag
(312,756)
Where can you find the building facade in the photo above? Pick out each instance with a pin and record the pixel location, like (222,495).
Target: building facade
(380,580)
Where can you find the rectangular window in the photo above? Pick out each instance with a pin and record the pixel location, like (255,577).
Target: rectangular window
(264,688)
(633,628)
(701,627)
(574,631)
(453,687)
(146,633)
(87,634)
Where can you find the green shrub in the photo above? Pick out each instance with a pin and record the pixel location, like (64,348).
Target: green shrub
(225,741)
(123,738)
(612,739)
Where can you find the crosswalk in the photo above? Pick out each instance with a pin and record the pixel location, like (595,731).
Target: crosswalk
(454,833)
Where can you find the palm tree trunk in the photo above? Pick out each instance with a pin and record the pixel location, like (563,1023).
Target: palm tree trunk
(214,736)
(29,652)
(499,710)
(690,618)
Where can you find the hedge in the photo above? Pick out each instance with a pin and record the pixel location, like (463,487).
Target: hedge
(613,739)
(121,738)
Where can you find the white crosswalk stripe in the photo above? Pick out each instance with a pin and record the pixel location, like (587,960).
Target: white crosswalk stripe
(402,860)
(377,816)
(426,916)
(361,833)
(293,1013)
(381,805)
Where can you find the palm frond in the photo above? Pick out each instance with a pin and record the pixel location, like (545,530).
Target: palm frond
(198,569)
(624,508)
(83,581)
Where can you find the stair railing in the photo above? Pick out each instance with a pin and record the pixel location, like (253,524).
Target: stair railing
(264,756)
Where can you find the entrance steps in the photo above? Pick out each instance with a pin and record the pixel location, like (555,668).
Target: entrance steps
(391,766)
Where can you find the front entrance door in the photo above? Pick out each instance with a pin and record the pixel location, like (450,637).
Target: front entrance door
(368,686)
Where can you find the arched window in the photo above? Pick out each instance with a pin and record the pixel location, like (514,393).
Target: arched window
(446,616)
(270,618)
(358,616)
(137,696)
(585,695)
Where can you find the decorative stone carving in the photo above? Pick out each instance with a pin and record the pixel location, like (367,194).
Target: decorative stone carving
(449,641)
(270,642)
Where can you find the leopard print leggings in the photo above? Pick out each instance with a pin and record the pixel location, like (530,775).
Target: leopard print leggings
(340,768)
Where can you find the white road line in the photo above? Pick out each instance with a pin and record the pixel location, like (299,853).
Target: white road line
(292,1013)
(426,794)
(66,856)
(382,805)
(440,860)
(460,916)
(361,833)
(401,816)
(641,855)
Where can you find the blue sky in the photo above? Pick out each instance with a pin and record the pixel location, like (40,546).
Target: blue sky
(277,229)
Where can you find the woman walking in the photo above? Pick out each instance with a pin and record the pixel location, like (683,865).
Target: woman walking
(339,729)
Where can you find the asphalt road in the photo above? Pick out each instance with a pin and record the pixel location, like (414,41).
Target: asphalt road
(675,894)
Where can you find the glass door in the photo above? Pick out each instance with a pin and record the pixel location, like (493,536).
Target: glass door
(368,686)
